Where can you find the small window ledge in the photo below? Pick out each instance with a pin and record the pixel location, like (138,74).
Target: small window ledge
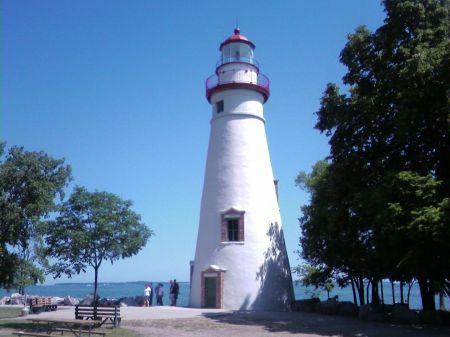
(233,242)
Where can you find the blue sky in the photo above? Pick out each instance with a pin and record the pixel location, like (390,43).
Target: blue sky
(117,89)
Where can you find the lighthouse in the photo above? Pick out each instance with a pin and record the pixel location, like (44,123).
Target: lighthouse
(240,261)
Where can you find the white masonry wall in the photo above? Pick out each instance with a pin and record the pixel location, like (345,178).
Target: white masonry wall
(239,175)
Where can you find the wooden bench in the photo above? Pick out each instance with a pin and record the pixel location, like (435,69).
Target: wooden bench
(40,304)
(100,313)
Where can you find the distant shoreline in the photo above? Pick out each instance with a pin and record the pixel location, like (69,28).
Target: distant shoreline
(104,282)
(117,290)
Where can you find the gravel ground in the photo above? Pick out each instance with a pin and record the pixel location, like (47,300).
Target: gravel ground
(276,324)
(189,322)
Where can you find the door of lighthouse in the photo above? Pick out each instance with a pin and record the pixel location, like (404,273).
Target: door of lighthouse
(212,287)
(210,292)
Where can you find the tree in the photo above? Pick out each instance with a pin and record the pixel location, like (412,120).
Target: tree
(93,227)
(332,237)
(312,276)
(416,216)
(31,187)
(394,121)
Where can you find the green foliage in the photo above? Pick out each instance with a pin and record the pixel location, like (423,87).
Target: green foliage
(28,272)
(31,186)
(380,207)
(310,182)
(313,276)
(413,226)
(93,227)
(35,223)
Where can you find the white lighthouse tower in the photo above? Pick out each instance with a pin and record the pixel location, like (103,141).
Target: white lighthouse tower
(240,259)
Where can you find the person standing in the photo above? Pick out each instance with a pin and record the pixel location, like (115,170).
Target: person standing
(156,291)
(147,291)
(176,291)
(171,295)
(160,294)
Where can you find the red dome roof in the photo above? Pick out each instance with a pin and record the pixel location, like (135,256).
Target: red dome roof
(237,37)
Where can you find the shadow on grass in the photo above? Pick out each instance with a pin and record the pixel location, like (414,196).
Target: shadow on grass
(17,325)
(323,325)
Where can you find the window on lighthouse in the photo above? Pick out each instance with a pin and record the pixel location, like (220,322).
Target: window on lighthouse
(233,229)
(233,226)
(219,106)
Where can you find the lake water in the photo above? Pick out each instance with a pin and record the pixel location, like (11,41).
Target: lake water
(116,290)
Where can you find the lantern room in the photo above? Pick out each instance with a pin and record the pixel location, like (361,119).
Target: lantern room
(237,68)
(237,48)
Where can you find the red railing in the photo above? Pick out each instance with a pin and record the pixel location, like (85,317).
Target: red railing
(238,79)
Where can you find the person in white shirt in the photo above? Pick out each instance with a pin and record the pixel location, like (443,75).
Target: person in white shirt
(147,291)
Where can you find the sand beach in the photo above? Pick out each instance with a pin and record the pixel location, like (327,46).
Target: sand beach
(189,322)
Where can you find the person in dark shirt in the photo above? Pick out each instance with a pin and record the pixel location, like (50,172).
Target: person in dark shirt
(175,291)
(171,294)
(159,292)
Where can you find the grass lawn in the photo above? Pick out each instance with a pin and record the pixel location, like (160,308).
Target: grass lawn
(9,312)
(8,325)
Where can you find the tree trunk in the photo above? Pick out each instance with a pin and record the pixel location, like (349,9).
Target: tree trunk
(402,300)
(354,292)
(95,285)
(427,294)
(375,292)
(393,292)
(360,283)
(410,285)
(382,292)
(367,291)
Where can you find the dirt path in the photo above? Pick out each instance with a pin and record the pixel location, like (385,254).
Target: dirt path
(276,324)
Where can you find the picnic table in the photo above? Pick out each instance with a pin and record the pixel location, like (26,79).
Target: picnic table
(78,328)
